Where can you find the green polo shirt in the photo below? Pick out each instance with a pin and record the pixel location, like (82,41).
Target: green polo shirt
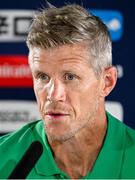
(116,159)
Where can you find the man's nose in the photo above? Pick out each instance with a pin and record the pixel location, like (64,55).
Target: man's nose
(56,91)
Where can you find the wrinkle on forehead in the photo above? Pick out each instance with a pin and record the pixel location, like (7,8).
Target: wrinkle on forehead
(62,53)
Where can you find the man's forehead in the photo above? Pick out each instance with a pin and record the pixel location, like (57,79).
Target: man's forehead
(60,52)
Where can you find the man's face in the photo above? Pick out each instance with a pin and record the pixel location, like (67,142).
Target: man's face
(66,88)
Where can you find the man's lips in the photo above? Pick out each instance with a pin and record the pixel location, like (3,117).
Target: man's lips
(56,114)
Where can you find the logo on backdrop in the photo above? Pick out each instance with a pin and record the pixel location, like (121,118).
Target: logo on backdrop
(114,21)
(15,72)
(14,25)
(15,114)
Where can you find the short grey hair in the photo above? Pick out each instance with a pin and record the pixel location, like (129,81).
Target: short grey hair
(70,24)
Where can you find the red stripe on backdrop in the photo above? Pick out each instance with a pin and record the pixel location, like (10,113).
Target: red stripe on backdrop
(15,71)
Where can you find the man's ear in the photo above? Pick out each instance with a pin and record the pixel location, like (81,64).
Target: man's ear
(110,79)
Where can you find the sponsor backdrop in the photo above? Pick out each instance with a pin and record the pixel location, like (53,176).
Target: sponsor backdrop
(17,99)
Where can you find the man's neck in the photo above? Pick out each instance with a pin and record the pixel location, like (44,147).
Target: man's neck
(77,155)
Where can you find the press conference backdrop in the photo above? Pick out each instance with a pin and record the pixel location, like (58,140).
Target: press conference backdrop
(17,99)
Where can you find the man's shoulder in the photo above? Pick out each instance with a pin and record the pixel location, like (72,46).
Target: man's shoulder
(127,169)
(15,144)
(123,141)
(121,126)
(121,133)
(16,136)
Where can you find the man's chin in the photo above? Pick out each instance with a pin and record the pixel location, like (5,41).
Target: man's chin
(57,131)
(61,137)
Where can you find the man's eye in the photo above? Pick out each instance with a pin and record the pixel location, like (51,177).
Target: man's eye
(70,77)
(43,77)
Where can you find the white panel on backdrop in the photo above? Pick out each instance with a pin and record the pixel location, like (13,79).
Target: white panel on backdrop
(14,114)
(14,24)
(115,108)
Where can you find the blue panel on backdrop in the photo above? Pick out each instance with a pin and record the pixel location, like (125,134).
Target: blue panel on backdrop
(114,21)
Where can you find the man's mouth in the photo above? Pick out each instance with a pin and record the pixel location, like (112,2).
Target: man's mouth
(56,114)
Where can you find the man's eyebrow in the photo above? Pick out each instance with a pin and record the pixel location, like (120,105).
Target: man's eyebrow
(38,72)
(68,71)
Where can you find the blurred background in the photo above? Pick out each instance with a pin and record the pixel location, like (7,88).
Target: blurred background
(17,99)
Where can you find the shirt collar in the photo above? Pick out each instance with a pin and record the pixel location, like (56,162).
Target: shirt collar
(46,164)
(109,161)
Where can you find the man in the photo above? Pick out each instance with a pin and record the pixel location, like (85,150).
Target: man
(71,63)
